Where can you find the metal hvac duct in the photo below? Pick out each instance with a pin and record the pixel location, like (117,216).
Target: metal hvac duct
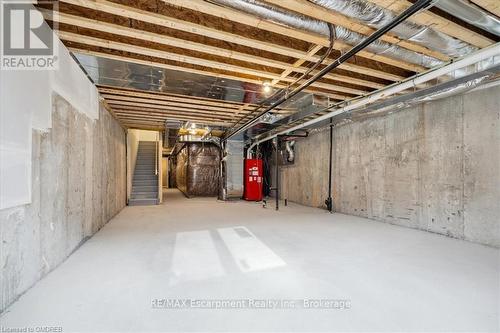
(231,170)
(471,13)
(280,16)
(376,17)
(481,60)
(419,4)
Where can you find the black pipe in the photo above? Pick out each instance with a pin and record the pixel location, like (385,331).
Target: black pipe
(329,200)
(346,56)
(305,135)
(277,192)
(284,90)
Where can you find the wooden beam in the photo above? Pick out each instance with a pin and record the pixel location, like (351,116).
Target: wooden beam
(184,69)
(130,105)
(142,112)
(172,23)
(318,12)
(146,106)
(189,70)
(123,114)
(493,6)
(104,43)
(138,119)
(182,105)
(148,36)
(171,96)
(144,127)
(160,112)
(130,122)
(109,44)
(240,17)
(193,46)
(168,97)
(437,22)
(297,64)
(188,104)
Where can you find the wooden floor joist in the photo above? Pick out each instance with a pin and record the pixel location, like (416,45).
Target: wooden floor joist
(320,13)
(146,112)
(121,113)
(437,22)
(189,106)
(188,70)
(240,17)
(201,37)
(154,106)
(297,64)
(104,43)
(172,23)
(225,105)
(144,120)
(194,46)
(493,6)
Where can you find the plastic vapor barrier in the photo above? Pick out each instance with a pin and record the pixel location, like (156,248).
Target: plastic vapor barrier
(197,170)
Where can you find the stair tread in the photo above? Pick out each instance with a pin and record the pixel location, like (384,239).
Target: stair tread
(145,180)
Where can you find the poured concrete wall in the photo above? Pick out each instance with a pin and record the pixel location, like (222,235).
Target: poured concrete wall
(434,167)
(26,104)
(78,184)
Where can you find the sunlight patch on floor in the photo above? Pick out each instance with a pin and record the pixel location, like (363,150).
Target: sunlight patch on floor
(249,253)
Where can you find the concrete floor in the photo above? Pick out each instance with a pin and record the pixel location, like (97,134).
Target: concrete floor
(395,278)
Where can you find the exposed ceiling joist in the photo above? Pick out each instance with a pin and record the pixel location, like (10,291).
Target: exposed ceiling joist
(312,10)
(127,119)
(140,102)
(227,105)
(172,23)
(296,64)
(492,6)
(104,43)
(169,38)
(120,110)
(122,113)
(437,22)
(240,17)
(134,104)
(194,46)
(184,69)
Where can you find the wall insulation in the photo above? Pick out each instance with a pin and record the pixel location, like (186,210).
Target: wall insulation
(197,171)
(434,166)
(78,184)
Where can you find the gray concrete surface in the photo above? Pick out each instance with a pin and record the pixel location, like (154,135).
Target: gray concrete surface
(396,278)
(78,170)
(435,167)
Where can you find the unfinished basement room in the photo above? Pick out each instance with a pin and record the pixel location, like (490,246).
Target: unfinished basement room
(250,166)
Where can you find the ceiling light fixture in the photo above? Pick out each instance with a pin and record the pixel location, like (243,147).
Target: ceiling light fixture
(266,87)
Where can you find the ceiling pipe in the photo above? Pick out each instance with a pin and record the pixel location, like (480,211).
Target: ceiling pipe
(375,15)
(305,74)
(417,6)
(412,82)
(276,14)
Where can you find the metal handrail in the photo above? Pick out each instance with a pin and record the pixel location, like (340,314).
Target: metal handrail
(156,157)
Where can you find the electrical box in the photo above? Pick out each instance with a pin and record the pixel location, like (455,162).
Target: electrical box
(253,180)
